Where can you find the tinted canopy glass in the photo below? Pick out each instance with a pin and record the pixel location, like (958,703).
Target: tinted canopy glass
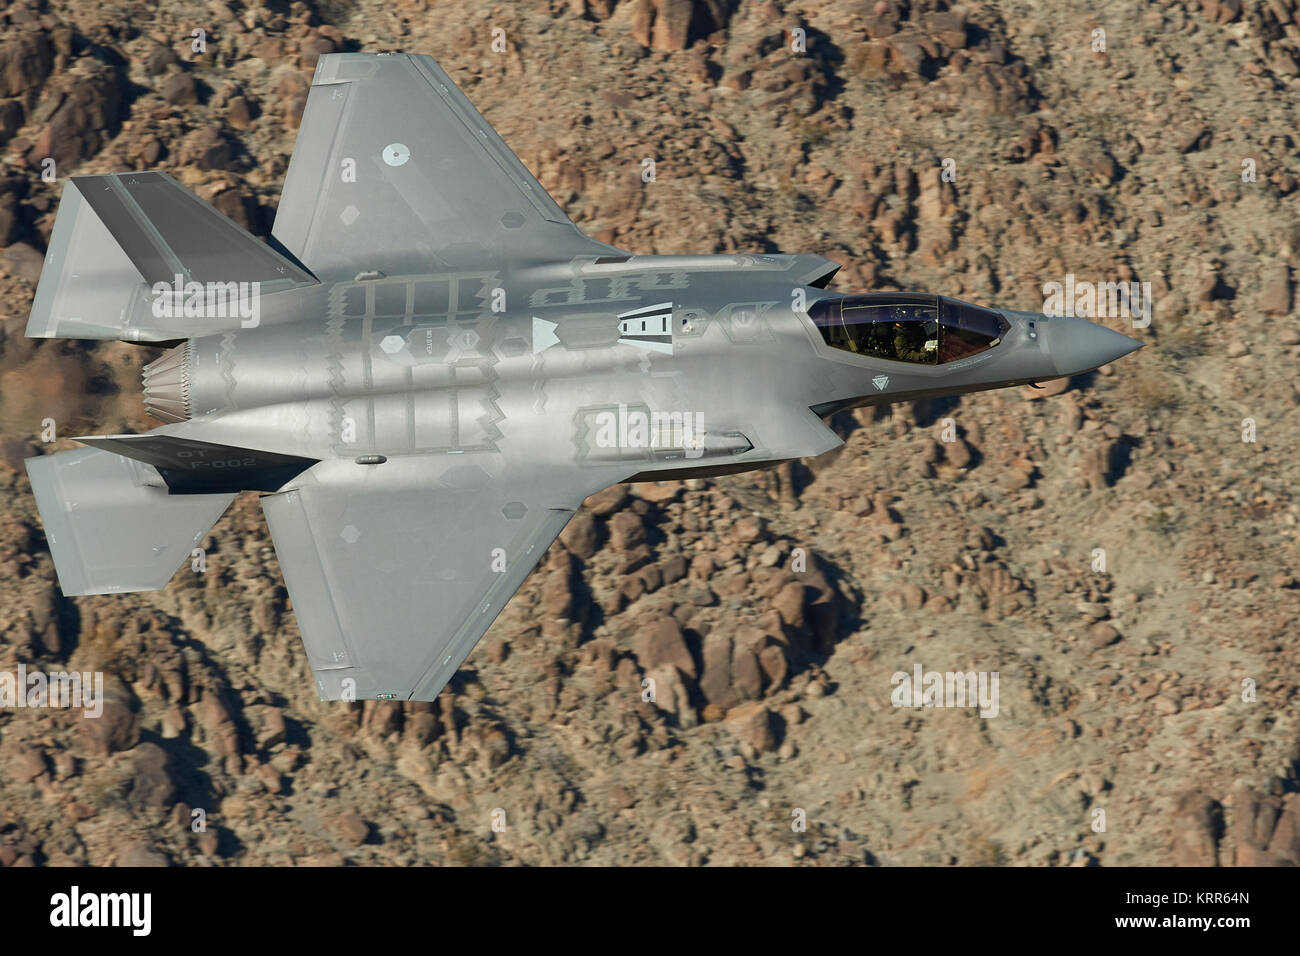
(907,327)
(967,329)
(902,327)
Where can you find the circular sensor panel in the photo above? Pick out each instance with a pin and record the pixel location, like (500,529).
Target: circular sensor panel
(395,154)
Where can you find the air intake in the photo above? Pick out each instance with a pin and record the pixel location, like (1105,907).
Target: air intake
(167,385)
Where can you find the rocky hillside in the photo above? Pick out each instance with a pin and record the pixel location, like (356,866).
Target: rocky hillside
(773,608)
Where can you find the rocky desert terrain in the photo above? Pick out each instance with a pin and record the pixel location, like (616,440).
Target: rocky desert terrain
(1156,680)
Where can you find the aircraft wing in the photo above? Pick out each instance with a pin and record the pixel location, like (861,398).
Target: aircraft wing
(396,570)
(394,170)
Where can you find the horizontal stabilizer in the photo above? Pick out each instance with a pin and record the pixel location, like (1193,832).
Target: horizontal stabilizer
(116,236)
(110,523)
(190,467)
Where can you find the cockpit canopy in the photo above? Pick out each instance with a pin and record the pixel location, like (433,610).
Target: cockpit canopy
(907,326)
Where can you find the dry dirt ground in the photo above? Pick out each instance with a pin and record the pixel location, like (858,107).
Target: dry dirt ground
(774,608)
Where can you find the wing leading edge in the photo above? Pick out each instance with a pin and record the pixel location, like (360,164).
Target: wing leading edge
(395,573)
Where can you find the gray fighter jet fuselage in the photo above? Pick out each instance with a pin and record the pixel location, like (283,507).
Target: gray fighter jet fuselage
(663,365)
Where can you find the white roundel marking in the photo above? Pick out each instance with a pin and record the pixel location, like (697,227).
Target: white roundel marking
(395,154)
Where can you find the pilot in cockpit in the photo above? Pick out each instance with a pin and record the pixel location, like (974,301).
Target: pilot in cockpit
(909,342)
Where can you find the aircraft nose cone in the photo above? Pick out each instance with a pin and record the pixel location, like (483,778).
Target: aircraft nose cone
(1077,345)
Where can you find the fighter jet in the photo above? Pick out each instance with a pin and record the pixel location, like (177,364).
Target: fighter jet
(429,367)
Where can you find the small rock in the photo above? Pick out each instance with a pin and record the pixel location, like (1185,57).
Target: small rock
(23,261)
(581,536)
(753,723)
(27,764)
(140,854)
(1102,635)
(352,829)
(179,89)
(665,645)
